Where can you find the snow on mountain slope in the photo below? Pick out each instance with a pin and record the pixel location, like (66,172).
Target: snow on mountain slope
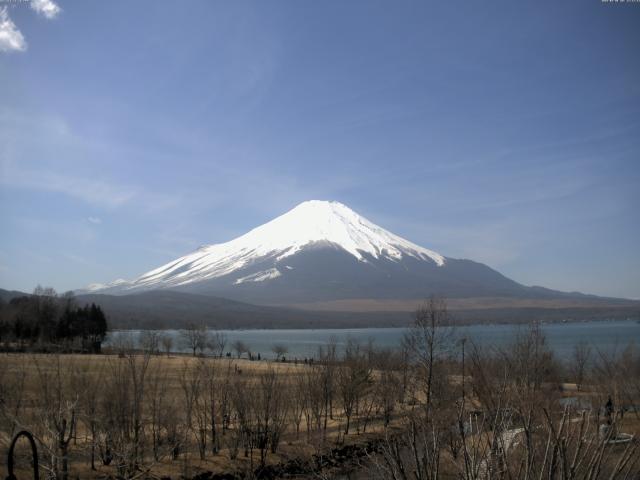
(309,223)
(94,287)
(260,276)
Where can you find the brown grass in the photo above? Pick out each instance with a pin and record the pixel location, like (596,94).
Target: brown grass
(174,367)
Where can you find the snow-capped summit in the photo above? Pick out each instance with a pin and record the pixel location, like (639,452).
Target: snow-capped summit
(319,221)
(310,223)
(317,250)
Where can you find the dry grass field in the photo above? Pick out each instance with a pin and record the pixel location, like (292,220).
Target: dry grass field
(172,379)
(420,410)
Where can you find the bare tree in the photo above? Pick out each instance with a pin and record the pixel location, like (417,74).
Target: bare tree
(327,359)
(429,339)
(167,343)
(240,347)
(271,409)
(191,385)
(314,408)
(12,394)
(242,398)
(279,350)
(298,400)
(123,415)
(580,362)
(224,397)
(201,408)
(149,342)
(212,384)
(217,343)
(388,387)
(195,338)
(158,407)
(91,385)
(59,412)
(354,379)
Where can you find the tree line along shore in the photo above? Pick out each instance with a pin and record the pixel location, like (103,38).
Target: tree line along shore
(46,321)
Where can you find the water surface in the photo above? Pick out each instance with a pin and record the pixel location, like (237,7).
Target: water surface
(606,336)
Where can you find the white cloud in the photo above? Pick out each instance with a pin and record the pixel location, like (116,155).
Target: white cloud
(95,220)
(46,8)
(11,39)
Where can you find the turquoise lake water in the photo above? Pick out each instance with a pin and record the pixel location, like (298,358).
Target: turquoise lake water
(607,336)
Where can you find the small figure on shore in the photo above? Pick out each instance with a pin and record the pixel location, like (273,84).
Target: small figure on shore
(608,411)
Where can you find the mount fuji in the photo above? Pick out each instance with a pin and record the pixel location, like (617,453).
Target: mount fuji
(318,252)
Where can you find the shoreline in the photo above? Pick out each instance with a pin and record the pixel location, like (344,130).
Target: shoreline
(313,328)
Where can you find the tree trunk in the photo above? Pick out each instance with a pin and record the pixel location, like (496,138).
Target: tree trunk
(93,447)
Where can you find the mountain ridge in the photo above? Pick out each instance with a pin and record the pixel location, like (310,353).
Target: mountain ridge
(322,251)
(170,309)
(307,225)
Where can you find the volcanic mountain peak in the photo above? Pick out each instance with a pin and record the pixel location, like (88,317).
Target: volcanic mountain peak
(332,222)
(311,223)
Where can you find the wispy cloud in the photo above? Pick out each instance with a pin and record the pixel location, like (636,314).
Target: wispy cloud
(95,220)
(11,39)
(46,8)
(101,193)
(43,153)
(94,192)
(80,260)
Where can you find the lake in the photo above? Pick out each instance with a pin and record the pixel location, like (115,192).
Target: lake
(607,336)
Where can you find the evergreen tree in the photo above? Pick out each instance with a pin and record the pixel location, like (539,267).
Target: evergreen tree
(51,319)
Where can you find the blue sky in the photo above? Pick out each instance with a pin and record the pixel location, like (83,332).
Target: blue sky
(504,132)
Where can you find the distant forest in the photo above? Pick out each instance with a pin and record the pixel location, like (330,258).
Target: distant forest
(47,321)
